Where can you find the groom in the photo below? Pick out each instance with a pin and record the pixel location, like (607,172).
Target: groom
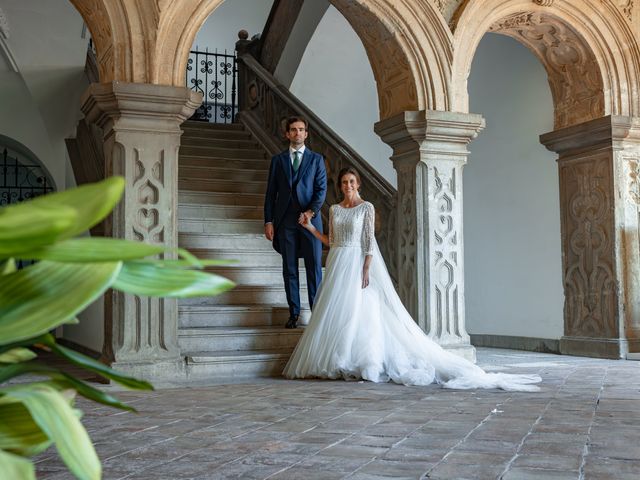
(296,189)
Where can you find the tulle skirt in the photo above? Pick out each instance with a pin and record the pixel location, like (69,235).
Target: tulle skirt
(357,333)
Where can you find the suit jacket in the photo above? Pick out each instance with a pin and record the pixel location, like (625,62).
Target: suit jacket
(310,187)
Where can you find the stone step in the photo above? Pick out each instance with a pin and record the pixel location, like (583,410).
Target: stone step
(214,225)
(254,153)
(256,275)
(224,339)
(221,185)
(220,141)
(208,212)
(236,315)
(188,196)
(223,171)
(239,364)
(262,257)
(249,295)
(238,242)
(199,124)
(206,161)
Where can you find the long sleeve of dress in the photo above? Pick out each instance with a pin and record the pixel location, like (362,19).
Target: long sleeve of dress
(331,226)
(368,229)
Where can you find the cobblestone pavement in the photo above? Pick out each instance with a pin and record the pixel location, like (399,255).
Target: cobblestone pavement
(583,424)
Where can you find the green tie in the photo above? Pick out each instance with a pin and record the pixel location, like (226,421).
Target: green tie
(296,161)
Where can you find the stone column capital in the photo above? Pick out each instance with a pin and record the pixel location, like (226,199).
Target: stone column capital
(430,132)
(139,106)
(601,132)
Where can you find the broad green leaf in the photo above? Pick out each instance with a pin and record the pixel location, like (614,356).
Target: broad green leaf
(15,467)
(47,294)
(17,355)
(95,366)
(18,431)
(25,226)
(64,381)
(92,250)
(154,280)
(92,202)
(7,266)
(53,414)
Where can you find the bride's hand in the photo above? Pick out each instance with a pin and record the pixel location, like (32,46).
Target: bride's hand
(365,277)
(305,222)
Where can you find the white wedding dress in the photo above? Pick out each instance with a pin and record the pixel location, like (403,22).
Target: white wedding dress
(357,333)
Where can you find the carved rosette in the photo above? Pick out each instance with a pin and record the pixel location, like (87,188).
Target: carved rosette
(589,280)
(574,77)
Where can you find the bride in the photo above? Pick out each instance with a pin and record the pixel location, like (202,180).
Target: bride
(359,328)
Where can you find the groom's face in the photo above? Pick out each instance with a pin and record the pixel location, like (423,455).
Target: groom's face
(297,134)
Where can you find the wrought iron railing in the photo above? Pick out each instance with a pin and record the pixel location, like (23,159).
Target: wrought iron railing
(215,76)
(264,107)
(19,181)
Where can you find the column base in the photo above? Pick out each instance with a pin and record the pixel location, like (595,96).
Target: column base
(158,372)
(465,351)
(614,348)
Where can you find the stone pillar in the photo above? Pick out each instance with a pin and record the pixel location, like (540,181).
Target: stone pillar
(429,151)
(141,124)
(599,176)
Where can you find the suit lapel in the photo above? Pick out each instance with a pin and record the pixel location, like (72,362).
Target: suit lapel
(306,160)
(286,165)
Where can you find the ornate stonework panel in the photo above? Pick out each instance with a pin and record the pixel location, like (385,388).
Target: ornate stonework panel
(589,279)
(574,77)
(447,8)
(407,234)
(4,24)
(446,250)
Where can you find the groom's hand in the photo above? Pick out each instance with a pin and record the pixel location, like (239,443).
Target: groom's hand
(268,231)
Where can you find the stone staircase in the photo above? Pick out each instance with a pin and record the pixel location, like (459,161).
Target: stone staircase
(222,179)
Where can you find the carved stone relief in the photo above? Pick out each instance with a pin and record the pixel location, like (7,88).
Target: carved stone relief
(407,236)
(576,85)
(590,297)
(445,251)
(4,24)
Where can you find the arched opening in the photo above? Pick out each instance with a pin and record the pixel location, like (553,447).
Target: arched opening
(513,269)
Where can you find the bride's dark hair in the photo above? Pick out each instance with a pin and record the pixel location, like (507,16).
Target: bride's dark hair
(346,171)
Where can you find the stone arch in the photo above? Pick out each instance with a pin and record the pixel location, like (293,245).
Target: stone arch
(407,41)
(587,48)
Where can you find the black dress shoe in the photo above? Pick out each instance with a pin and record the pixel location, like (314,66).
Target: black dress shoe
(292,322)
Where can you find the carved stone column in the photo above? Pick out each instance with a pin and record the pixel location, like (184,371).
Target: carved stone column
(600,210)
(429,151)
(141,124)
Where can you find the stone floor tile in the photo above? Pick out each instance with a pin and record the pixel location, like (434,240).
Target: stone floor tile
(386,468)
(549,462)
(451,471)
(520,473)
(301,473)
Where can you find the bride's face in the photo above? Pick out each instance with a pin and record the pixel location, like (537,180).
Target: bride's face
(349,185)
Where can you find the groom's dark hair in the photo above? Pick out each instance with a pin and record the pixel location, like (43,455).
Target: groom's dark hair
(294,119)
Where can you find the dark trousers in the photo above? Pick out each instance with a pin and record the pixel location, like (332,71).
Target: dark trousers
(297,242)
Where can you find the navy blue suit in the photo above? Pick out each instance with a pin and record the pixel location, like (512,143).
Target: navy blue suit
(289,194)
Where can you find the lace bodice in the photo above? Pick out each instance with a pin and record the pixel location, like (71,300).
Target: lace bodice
(350,227)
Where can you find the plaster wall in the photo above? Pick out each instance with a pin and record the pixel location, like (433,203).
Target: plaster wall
(513,272)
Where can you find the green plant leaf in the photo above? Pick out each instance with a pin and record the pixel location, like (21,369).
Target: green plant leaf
(7,266)
(18,432)
(93,250)
(24,226)
(155,280)
(64,381)
(17,355)
(13,466)
(47,294)
(95,366)
(92,203)
(53,414)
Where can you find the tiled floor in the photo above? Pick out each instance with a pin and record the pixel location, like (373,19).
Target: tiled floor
(583,424)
